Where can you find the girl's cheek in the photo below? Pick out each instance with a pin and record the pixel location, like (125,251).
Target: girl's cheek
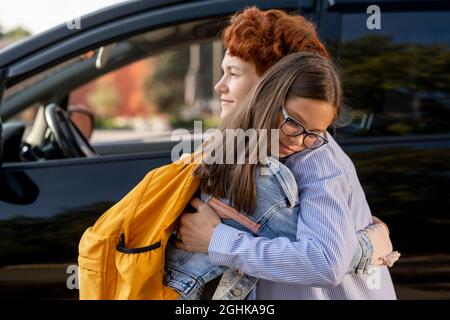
(295,143)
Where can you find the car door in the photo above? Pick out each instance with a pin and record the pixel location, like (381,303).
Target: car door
(396,80)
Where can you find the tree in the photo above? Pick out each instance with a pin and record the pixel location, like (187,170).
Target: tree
(404,84)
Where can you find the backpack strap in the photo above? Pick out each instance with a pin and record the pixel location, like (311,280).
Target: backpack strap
(228,212)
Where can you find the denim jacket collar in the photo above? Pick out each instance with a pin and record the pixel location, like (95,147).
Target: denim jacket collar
(285,178)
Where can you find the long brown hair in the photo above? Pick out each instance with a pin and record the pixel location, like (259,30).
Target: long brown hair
(300,74)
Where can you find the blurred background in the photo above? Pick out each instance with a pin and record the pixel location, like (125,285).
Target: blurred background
(124,106)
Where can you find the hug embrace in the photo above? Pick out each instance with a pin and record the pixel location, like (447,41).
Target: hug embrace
(294,225)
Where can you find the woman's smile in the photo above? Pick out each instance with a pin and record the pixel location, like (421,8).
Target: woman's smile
(227,103)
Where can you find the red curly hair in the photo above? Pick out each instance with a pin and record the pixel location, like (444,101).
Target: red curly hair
(269,36)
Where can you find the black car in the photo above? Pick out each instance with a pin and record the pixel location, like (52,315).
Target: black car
(122,72)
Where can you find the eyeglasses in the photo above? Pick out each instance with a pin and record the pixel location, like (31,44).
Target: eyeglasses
(293,128)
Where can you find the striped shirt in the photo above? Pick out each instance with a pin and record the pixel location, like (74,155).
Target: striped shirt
(333,208)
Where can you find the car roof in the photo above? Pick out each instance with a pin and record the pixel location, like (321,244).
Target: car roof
(28,46)
(32,44)
(19,50)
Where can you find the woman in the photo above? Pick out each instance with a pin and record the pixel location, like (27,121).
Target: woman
(320,186)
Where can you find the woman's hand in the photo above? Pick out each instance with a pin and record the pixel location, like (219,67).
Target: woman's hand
(196,229)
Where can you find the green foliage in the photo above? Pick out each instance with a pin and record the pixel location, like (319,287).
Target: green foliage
(381,76)
(17,33)
(14,34)
(109,123)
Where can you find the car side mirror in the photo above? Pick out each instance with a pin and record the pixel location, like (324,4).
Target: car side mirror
(83,118)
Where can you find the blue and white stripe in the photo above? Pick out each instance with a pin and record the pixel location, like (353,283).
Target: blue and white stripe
(333,208)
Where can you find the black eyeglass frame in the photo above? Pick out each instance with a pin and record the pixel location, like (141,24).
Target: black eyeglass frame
(287,118)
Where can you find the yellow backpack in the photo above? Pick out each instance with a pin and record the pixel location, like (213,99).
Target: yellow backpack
(122,255)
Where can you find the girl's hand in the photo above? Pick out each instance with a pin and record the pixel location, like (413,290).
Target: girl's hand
(196,229)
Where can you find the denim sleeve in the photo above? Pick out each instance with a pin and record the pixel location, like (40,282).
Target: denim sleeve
(362,258)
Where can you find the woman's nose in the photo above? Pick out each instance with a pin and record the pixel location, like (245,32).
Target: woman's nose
(221,87)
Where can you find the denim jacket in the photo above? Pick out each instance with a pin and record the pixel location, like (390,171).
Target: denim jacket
(276,215)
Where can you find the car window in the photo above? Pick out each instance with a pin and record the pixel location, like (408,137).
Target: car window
(23,85)
(139,90)
(150,98)
(396,78)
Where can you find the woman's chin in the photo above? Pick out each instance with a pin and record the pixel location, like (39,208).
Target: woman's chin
(225,113)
